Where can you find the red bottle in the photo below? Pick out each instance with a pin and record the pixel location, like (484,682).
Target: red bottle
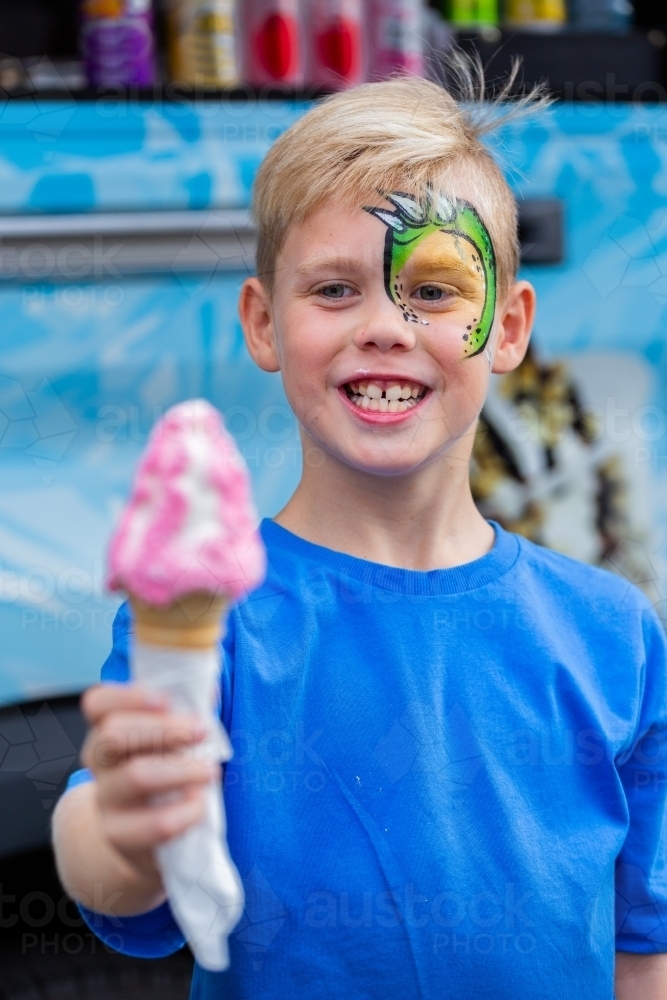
(273,42)
(336,43)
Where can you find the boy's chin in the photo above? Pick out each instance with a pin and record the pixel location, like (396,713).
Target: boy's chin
(402,463)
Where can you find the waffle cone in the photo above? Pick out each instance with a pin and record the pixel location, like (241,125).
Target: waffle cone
(194,621)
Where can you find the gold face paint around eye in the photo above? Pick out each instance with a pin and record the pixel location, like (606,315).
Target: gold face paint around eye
(444,259)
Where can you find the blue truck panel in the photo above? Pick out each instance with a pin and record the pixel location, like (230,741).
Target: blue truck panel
(85,367)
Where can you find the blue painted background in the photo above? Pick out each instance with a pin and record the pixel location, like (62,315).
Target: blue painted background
(84,369)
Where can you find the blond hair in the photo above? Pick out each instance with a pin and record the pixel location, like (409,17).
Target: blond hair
(404,134)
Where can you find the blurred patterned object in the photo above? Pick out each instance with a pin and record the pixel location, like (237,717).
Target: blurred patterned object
(544,466)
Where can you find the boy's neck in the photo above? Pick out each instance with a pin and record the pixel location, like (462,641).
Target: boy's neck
(424,520)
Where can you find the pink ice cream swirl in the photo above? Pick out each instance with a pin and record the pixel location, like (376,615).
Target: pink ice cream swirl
(190,524)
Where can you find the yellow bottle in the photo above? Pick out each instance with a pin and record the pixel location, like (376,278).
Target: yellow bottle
(202,42)
(538,14)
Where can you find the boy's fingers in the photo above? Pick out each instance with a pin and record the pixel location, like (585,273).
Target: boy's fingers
(133,829)
(103,699)
(124,734)
(145,776)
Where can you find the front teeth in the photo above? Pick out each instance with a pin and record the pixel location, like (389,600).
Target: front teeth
(387,397)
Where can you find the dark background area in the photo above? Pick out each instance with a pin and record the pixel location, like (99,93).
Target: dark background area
(38,27)
(650,13)
(48,953)
(580,66)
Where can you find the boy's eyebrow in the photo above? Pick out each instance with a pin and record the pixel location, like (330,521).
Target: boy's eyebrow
(337,262)
(445,263)
(435,269)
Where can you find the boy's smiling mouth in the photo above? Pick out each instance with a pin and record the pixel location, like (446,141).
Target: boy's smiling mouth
(375,397)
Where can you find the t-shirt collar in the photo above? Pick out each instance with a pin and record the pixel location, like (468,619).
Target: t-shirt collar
(453,580)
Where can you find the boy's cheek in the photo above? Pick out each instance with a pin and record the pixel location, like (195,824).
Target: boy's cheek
(304,385)
(445,338)
(306,364)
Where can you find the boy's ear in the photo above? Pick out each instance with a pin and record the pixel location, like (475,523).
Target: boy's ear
(515,323)
(257,322)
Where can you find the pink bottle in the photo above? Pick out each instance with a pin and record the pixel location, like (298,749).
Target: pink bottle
(396,38)
(336,43)
(273,42)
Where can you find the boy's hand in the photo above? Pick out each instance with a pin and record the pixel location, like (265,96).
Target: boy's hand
(138,749)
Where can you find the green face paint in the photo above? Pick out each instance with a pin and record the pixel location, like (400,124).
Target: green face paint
(411,224)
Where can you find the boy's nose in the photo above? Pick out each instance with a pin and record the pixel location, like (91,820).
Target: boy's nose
(385,328)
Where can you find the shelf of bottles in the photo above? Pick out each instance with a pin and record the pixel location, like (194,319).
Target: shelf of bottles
(278,47)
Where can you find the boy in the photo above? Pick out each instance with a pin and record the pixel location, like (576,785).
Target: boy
(449,742)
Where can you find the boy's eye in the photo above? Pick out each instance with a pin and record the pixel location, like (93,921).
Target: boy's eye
(430,293)
(336,291)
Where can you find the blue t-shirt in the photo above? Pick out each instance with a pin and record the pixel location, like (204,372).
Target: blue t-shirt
(445,784)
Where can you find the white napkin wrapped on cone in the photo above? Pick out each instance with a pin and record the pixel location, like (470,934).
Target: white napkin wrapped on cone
(204,888)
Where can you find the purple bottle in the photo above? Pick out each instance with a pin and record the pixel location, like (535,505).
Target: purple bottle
(117,42)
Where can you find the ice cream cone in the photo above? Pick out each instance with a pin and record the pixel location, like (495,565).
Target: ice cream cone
(187,547)
(194,621)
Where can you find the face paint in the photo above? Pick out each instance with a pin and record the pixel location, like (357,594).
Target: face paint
(414,222)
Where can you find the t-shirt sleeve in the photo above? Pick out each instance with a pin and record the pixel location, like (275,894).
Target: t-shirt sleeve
(116,667)
(641,869)
(147,935)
